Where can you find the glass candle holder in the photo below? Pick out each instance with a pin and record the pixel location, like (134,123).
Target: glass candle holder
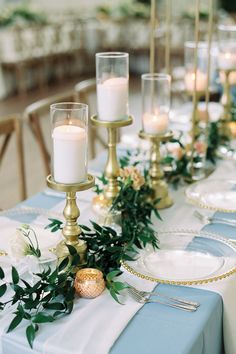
(227,47)
(112,73)
(202,60)
(155,103)
(69,122)
(89,283)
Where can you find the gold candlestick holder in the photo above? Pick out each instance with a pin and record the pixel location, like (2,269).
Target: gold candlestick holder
(157,182)
(71,231)
(112,168)
(226,101)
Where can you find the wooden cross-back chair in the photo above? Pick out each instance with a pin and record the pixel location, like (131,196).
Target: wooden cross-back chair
(8,127)
(85,92)
(34,114)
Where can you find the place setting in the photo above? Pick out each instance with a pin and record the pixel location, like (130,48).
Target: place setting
(142,238)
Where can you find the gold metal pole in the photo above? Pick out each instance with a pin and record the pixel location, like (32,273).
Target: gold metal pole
(156,174)
(210,31)
(226,101)
(168,36)
(195,93)
(112,168)
(152,36)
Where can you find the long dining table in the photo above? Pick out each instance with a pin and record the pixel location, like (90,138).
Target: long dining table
(152,328)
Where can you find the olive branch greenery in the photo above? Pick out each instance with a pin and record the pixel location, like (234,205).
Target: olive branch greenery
(176,170)
(53,295)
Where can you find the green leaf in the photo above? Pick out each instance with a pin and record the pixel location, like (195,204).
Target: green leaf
(113,274)
(114,295)
(3,289)
(76,260)
(72,250)
(30,334)
(15,275)
(85,228)
(42,318)
(118,286)
(54,306)
(2,275)
(15,322)
(64,263)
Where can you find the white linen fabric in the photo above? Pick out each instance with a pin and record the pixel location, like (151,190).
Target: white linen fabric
(109,318)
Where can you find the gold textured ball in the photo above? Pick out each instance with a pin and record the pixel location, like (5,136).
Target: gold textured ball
(89,283)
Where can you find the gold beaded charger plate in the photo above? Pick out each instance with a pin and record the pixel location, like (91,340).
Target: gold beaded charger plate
(218,195)
(185,257)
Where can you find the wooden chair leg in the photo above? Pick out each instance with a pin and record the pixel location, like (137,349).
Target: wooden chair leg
(4,146)
(21,162)
(36,129)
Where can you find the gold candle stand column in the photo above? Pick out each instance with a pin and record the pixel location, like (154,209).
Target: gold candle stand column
(226,101)
(112,166)
(71,230)
(157,182)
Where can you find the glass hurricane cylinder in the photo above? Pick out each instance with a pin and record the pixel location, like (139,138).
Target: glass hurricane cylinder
(69,123)
(227,47)
(155,103)
(201,73)
(112,73)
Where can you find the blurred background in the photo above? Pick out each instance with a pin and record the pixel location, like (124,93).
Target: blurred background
(47,47)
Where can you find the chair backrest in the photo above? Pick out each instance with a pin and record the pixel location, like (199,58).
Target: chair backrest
(85,92)
(8,126)
(34,115)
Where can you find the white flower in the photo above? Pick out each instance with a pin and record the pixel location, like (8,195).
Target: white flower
(24,242)
(19,247)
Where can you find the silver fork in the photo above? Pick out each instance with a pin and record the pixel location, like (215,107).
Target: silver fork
(178,300)
(144,300)
(214,219)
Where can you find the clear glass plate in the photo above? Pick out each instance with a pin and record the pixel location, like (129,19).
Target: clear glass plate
(218,195)
(37,218)
(185,257)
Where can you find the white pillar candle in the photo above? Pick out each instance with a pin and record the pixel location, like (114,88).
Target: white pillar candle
(227,61)
(201,83)
(155,123)
(69,154)
(112,99)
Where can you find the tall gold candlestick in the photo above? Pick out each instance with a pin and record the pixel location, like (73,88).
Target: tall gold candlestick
(71,230)
(168,36)
(226,99)
(112,166)
(152,36)
(156,174)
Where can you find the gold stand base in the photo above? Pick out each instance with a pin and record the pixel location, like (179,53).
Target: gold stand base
(156,174)
(71,230)
(80,246)
(160,190)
